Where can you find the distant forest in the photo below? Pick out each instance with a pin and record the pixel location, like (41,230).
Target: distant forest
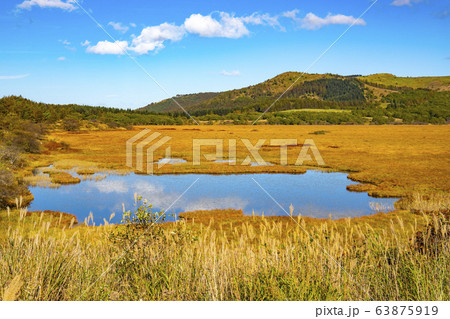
(316,93)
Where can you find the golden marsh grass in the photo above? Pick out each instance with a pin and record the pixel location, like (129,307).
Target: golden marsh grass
(226,257)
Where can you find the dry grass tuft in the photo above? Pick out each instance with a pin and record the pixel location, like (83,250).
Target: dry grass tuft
(63,178)
(430,203)
(11,292)
(85,171)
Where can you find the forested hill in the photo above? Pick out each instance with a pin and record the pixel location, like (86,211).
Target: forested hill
(186,101)
(72,117)
(313,99)
(310,91)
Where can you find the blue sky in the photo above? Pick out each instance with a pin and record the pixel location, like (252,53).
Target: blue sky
(51,50)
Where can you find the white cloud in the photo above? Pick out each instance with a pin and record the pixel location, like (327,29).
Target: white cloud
(313,22)
(62,58)
(399,3)
(67,45)
(229,26)
(106,47)
(291,14)
(64,5)
(225,25)
(152,38)
(133,25)
(119,27)
(13,77)
(85,43)
(262,19)
(231,73)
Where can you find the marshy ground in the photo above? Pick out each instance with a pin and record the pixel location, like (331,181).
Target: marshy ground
(224,255)
(394,160)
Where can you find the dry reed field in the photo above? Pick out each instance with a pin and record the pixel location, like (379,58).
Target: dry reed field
(219,258)
(225,255)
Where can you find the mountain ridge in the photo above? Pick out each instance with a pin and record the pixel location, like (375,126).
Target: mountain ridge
(375,85)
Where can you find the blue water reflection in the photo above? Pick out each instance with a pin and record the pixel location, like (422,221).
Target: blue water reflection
(315,194)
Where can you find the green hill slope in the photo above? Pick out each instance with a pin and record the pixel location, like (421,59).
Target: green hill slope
(310,91)
(186,101)
(438,83)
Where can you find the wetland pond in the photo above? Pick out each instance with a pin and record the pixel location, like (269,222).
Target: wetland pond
(315,194)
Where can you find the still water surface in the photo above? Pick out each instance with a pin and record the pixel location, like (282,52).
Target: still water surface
(315,194)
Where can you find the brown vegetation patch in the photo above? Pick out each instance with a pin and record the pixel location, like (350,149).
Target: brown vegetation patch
(55,146)
(435,237)
(85,171)
(206,215)
(63,178)
(361,188)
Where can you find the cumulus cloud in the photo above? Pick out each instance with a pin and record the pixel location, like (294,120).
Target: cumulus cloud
(119,27)
(222,24)
(229,26)
(133,25)
(64,5)
(313,22)
(85,43)
(152,38)
(231,73)
(107,47)
(399,3)
(291,14)
(62,58)
(263,19)
(13,77)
